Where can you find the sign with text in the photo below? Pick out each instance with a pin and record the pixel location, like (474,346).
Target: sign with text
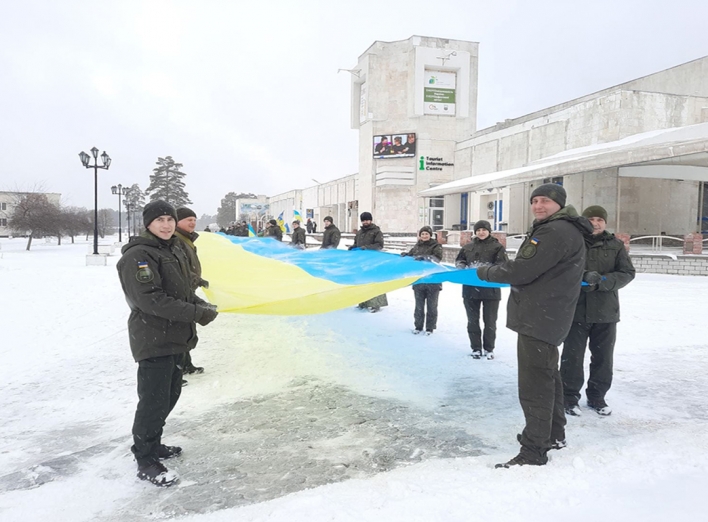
(439,93)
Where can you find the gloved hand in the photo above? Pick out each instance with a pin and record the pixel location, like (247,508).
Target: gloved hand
(419,258)
(204,283)
(592,278)
(460,266)
(404,254)
(208,314)
(354,247)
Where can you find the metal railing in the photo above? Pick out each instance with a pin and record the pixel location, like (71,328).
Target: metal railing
(657,242)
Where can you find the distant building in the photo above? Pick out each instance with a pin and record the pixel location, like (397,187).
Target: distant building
(8,201)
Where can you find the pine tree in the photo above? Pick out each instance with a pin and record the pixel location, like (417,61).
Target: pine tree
(226,213)
(166,183)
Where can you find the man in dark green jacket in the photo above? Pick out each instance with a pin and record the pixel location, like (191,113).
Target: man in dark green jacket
(609,268)
(185,232)
(545,280)
(370,237)
(331,235)
(298,238)
(273,230)
(426,249)
(484,249)
(155,277)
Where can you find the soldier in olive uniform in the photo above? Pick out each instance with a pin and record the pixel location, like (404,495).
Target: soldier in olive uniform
(298,238)
(156,280)
(331,235)
(545,280)
(484,249)
(273,230)
(426,249)
(609,268)
(370,237)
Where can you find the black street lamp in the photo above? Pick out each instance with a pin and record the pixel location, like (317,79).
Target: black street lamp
(85,159)
(121,191)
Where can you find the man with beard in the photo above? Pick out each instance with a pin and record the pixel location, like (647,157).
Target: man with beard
(370,237)
(186,224)
(545,279)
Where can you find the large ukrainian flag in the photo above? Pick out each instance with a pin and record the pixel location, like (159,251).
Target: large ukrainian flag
(265,276)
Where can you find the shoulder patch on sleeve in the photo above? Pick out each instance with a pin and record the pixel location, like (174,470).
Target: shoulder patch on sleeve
(528,251)
(144,274)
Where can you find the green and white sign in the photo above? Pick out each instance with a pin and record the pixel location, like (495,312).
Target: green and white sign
(439,93)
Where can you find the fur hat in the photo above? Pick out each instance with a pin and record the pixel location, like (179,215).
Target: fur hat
(155,209)
(482,224)
(551,191)
(184,212)
(595,211)
(366,216)
(427,229)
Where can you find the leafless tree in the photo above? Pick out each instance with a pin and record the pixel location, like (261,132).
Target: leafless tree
(34,215)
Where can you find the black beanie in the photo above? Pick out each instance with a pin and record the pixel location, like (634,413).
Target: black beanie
(427,229)
(273,222)
(155,209)
(551,191)
(366,216)
(184,212)
(595,211)
(482,224)
(328,218)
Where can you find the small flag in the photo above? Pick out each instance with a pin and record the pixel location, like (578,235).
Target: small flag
(142,264)
(534,241)
(251,232)
(296,215)
(281,223)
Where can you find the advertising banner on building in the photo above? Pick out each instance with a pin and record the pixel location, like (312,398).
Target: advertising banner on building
(439,93)
(395,145)
(253,209)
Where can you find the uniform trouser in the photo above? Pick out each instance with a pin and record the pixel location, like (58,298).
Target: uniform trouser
(602,346)
(159,387)
(541,397)
(490,310)
(375,302)
(426,294)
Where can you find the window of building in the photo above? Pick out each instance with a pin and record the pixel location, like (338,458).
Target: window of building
(3,206)
(557,181)
(436,213)
(3,222)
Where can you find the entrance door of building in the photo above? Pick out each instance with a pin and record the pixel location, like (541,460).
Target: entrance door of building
(436,216)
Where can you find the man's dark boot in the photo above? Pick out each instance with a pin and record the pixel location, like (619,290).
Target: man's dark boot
(158,474)
(167,452)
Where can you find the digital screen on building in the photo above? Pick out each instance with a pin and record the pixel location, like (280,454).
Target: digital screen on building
(394,146)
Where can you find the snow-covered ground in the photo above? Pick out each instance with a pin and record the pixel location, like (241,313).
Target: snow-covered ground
(344,416)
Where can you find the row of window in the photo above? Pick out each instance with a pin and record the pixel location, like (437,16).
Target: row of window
(3,222)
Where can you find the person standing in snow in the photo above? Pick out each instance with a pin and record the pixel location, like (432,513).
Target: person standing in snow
(484,249)
(608,268)
(331,236)
(298,239)
(545,280)
(426,249)
(186,224)
(273,230)
(370,237)
(155,277)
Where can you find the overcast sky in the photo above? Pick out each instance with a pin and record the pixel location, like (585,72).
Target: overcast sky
(247,96)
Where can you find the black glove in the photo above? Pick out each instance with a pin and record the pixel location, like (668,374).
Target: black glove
(354,247)
(482,273)
(404,254)
(592,278)
(419,258)
(204,283)
(208,314)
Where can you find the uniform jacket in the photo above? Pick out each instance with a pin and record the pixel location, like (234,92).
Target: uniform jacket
(429,250)
(477,253)
(195,267)
(275,232)
(298,237)
(607,256)
(545,276)
(155,278)
(369,238)
(331,237)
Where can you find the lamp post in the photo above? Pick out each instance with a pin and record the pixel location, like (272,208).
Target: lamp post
(85,159)
(121,191)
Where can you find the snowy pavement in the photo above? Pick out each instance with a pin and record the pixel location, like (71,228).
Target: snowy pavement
(341,416)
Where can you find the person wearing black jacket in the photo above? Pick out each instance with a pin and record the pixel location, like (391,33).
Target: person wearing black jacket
(545,280)
(484,249)
(155,277)
(426,249)
(370,237)
(608,268)
(273,230)
(331,235)
(298,238)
